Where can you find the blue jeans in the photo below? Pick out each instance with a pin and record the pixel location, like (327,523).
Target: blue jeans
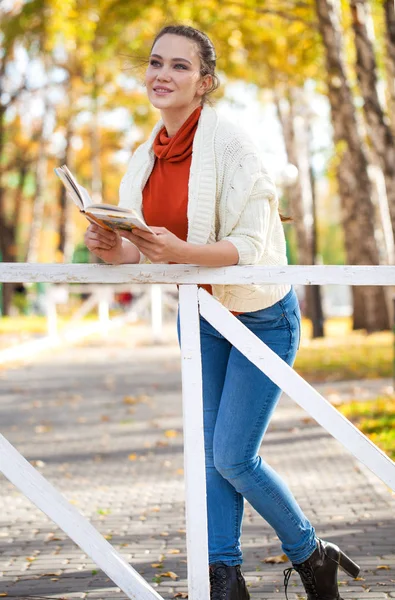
(238,402)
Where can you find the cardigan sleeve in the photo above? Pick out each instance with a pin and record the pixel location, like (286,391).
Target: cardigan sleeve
(250,214)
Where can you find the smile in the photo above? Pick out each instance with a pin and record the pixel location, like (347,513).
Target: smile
(159,90)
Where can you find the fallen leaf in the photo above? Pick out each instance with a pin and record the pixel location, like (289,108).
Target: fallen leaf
(180,595)
(173,551)
(276,560)
(170,574)
(171,433)
(130,400)
(37,463)
(383,567)
(157,565)
(42,428)
(132,456)
(164,533)
(104,418)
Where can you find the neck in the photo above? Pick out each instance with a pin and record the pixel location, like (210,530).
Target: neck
(173,119)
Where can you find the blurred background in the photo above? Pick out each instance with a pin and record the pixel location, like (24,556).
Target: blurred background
(311,81)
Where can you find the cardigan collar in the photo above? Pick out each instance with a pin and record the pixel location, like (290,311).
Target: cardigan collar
(202,178)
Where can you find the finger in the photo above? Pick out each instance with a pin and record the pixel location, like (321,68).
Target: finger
(159,230)
(105,238)
(99,246)
(141,233)
(97,237)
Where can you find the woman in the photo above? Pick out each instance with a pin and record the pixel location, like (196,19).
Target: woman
(200,184)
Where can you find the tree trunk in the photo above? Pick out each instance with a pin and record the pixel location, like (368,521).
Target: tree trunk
(65,242)
(389,11)
(380,134)
(295,191)
(317,316)
(370,310)
(300,196)
(39,197)
(95,145)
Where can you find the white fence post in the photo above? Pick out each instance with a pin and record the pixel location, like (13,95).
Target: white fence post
(51,313)
(104,296)
(194,462)
(156,312)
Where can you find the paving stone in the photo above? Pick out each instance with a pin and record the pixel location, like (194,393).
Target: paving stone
(96,417)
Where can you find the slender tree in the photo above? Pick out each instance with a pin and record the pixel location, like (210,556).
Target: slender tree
(389,12)
(379,131)
(352,172)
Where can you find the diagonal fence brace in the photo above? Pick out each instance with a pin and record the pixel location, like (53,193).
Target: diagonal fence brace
(35,487)
(297,388)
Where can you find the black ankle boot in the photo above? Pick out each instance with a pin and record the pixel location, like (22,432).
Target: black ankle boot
(227,583)
(319,572)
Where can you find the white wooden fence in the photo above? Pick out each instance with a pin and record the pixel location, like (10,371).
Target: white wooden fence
(192,300)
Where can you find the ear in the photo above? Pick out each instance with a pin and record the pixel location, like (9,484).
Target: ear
(204,85)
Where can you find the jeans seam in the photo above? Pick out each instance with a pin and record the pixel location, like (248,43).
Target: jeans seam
(275,497)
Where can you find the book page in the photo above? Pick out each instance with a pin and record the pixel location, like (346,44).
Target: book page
(73,192)
(86,199)
(117,220)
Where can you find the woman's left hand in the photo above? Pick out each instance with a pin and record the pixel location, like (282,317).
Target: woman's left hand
(164,247)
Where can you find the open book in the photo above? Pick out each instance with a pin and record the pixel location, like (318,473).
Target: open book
(105,215)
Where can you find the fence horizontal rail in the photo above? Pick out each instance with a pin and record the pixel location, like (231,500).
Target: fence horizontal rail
(190,274)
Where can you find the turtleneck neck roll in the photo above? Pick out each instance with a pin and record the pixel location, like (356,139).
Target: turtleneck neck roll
(178,147)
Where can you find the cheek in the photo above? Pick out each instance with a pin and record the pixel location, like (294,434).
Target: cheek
(149,76)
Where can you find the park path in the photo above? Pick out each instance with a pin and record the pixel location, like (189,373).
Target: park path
(102,422)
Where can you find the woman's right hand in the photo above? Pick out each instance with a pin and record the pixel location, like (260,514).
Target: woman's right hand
(107,245)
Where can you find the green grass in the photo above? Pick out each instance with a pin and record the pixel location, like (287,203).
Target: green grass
(343,361)
(342,355)
(376,419)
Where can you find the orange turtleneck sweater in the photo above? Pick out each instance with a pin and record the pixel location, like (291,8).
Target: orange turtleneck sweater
(165,195)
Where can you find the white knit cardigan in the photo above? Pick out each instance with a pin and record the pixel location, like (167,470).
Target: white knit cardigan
(230,197)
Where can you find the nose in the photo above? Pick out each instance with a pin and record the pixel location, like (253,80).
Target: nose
(163,74)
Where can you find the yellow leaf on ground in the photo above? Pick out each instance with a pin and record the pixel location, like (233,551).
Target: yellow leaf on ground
(132,456)
(171,433)
(383,567)
(170,574)
(156,565)
(180,595)
(130,400)
(275,560)
(174,551)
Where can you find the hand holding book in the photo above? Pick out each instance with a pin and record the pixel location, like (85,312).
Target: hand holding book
(107,216)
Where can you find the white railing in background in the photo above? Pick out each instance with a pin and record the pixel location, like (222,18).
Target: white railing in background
(192,300)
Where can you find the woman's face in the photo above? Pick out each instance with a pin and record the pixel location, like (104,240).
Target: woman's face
(173,78)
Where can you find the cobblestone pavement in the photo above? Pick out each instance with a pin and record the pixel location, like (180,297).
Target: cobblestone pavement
(102,422)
